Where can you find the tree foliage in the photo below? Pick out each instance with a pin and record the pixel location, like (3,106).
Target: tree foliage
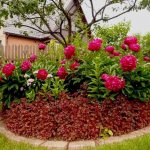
(112,35)
(145,4)
(53,18)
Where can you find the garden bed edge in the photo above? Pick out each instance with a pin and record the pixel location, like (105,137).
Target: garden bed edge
(64,145)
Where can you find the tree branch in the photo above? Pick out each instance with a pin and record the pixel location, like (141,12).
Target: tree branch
(48,26)
(94,20)
(68,17)
(92,8)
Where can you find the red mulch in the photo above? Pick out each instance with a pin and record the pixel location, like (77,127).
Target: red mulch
(69,118)
(123,115)
(74,117)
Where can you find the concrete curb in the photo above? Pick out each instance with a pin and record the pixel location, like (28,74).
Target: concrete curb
(124,137)
(76,145)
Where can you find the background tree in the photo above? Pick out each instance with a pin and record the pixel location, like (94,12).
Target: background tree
(41,15)
(114,34)
(145,4)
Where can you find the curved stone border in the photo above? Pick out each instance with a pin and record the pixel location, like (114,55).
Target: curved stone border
(77,145)
(124,137)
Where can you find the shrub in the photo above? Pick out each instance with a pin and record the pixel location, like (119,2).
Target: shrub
(138,83)
(85,63)
(112,35)
(22,79)
(145,43)
(102,62)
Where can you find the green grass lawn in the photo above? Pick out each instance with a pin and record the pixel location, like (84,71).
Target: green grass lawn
(142,143)
(6,144)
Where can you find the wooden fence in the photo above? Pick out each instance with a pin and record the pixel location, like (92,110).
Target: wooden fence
(23,52)
(18,52)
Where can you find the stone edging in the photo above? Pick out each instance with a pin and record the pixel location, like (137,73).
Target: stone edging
(63,145)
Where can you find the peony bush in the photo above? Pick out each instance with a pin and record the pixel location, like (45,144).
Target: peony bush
(67,86)
(107,72)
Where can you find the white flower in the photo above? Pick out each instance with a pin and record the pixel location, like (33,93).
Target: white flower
(26,76)
(49,76)
(30,81)
(28,84)
(21,89)
(35,72)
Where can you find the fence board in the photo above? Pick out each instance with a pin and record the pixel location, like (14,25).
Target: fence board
(20,52)
(16,52)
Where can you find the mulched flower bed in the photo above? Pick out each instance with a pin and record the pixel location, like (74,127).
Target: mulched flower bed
(74,117)
(68,118)
(123,115)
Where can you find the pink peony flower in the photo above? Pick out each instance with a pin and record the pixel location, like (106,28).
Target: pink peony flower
(8,69)
(95,45)
(42,46)
(74,65)
(130,40)
(33,58)
(42,74)
(146,58)
(115,53)
(114,83)
(98,40)
(110,49)
(105,77)
(128,63)
(62,73)
(124,46)
(26,65)
(69,51)
(134,47)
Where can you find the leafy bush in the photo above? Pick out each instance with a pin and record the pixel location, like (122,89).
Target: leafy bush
(23,81)
(138,83)
(112,35)
(92,70)
(125,69)
(99,62)
(145,43)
